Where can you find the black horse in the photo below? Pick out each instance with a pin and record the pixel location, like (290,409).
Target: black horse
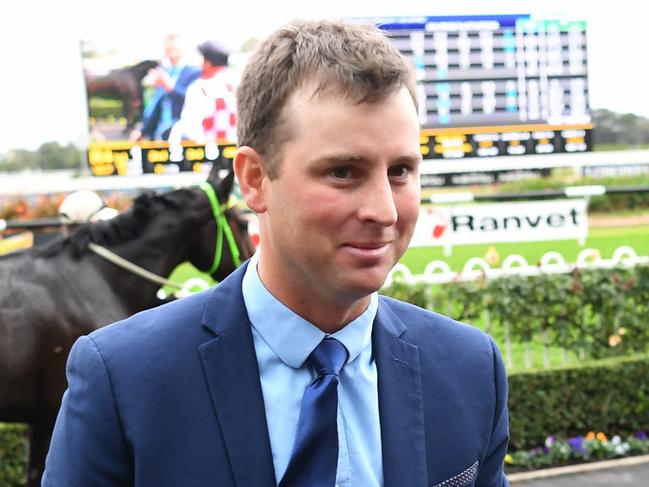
(124,84)
(51,295)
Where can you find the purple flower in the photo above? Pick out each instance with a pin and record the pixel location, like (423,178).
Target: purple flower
(577,444)
(641,435)
(576,441)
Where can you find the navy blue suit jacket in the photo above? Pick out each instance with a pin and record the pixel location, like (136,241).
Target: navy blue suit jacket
(172,397)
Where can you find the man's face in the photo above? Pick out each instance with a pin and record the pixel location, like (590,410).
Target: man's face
(172,48)
(344,206)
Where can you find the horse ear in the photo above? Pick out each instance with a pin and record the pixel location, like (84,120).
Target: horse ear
(224,187)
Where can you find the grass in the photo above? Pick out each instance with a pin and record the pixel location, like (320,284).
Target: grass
(606,240)
(613,147)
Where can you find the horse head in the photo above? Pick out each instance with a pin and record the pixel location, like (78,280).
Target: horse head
(123,84)
(221,246)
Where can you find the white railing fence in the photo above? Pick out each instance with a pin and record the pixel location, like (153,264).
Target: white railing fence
(439,272)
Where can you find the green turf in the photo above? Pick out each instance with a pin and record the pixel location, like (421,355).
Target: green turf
(606,240)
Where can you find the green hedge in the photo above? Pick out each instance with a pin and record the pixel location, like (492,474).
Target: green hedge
(562,177)
(592,313)
(611,395)
(13,455)
(604,203)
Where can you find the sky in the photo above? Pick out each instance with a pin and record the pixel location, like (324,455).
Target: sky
(42,95)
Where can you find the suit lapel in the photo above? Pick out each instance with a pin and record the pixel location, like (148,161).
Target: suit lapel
(400,402)
(232,375)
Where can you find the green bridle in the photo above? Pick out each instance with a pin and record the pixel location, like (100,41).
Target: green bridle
(222,228)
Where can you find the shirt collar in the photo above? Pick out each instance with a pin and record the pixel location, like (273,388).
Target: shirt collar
(290,336)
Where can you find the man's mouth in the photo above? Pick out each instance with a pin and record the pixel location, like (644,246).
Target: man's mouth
(367,250)
(368,245)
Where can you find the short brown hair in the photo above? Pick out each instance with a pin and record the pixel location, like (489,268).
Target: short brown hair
(356,61)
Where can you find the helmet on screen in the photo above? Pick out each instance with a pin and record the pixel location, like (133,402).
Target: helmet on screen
(215,52)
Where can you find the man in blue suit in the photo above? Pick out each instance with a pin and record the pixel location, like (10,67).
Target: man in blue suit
(170,81)
(218,389)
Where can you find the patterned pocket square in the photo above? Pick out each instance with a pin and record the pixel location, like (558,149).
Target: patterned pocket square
(462,479)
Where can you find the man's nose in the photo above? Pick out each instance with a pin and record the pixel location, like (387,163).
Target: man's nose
(378,204)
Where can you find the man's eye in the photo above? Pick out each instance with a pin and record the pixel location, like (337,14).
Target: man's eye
(341,172)
(398,171)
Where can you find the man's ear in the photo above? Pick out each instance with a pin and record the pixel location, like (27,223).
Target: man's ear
(248,166)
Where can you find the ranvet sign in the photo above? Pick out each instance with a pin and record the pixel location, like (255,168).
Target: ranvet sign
(501,222)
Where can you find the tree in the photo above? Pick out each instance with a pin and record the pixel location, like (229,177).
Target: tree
(53,156)
(619,129)
(50,155)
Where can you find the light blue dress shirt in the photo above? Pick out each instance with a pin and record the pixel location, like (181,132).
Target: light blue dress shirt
(283,341)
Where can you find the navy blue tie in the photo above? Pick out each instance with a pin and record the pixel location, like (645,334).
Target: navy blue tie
(314,459)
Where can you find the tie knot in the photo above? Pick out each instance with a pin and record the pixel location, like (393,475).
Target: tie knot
(329,357)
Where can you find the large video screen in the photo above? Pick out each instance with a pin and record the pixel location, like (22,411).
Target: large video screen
(487,85)
(492,85)
(169,109)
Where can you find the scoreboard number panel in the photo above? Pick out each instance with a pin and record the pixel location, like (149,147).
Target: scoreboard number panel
(494,85)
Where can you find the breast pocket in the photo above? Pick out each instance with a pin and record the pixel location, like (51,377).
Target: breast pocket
(462,479)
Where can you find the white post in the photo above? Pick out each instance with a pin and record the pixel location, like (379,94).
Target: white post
(546,349)
(487,321)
